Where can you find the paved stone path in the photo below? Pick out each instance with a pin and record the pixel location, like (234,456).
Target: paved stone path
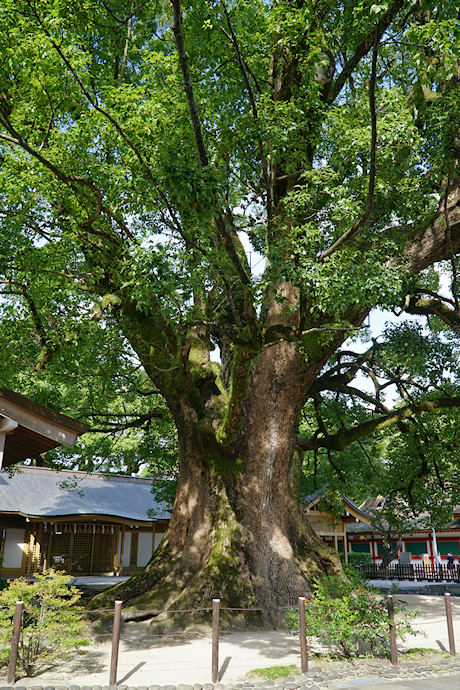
(440,675)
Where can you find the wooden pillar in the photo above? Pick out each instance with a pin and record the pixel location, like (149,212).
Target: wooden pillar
(115,554)
(17,621)
(30,553)
(120,567)
(69,562)
(93,534)
(391,617)
(115,643)
(450,625)
(303,635)
(48,553)
(345,543)
(215,640)
(38,547)
(25,554)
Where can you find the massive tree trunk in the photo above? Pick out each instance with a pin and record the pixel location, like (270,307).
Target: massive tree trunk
(238,531)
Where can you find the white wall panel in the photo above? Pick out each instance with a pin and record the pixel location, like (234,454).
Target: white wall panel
(144,548)
(14,548)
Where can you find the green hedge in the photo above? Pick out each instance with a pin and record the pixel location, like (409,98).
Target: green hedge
(358,558)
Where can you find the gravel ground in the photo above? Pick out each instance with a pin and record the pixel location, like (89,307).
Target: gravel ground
(184,661)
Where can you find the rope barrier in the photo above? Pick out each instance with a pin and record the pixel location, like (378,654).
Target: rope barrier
(135,636)
(90,612)
(230,608)
(128,610)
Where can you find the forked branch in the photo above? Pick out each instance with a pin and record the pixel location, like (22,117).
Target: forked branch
(345,437)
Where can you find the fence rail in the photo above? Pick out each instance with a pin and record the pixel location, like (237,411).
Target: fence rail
(117,622)
(410,571)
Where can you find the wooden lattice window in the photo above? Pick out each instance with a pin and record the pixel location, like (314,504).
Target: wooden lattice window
(81,549)
(81,552)
(103,553)
(59,550)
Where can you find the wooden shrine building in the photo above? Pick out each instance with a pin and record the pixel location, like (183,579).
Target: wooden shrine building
(82,524)
(332,528)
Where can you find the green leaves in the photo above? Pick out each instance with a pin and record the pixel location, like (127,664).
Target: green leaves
(345,611)
(51,627)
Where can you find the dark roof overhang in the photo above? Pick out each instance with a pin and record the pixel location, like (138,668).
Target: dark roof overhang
(30,429)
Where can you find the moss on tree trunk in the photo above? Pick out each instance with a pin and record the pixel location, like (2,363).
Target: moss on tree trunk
(237,531)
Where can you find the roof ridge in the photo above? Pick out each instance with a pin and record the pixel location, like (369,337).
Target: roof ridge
(50,470)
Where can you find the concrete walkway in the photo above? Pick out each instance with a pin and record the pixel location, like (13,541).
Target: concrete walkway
(439,683)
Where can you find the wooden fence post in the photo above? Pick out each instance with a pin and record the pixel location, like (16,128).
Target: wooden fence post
(303,636)
(215,639)
(15,641)
(115,642)
(450,625)
(391,616)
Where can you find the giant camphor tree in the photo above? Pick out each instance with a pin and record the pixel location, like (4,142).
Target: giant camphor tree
(144,147)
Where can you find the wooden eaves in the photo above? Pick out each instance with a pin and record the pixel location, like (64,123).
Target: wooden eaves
(28,429)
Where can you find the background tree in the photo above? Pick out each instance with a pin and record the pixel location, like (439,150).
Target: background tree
(140,146)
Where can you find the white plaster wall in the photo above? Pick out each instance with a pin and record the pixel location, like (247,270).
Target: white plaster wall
(158,538)
(144,548)
(127,549)
(14,548)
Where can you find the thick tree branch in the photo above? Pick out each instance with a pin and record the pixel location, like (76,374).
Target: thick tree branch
(424,306)
(433,243)
(343,372)
(239,386)
(352,232)
(242,65)
(364,47)
(125,51)
(141,420)
(187,81)
(221,225)
(345,437)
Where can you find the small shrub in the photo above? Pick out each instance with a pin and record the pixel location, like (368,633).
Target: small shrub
(51,626)
(346,612)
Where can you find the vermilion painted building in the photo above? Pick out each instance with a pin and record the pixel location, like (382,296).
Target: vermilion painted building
(332,529)
(353,532)
(419,541)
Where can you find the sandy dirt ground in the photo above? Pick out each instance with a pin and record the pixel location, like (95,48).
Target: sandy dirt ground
(146,660)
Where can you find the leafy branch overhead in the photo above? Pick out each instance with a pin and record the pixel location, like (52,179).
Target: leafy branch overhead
(76,95)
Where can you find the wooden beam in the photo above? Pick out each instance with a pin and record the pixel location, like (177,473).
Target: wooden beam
(6,426)
(345,544)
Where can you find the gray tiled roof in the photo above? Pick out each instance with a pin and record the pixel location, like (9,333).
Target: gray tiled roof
(308,500)
(37,492)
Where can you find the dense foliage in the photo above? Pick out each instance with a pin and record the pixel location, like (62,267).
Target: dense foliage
(351,617)
(51,626)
